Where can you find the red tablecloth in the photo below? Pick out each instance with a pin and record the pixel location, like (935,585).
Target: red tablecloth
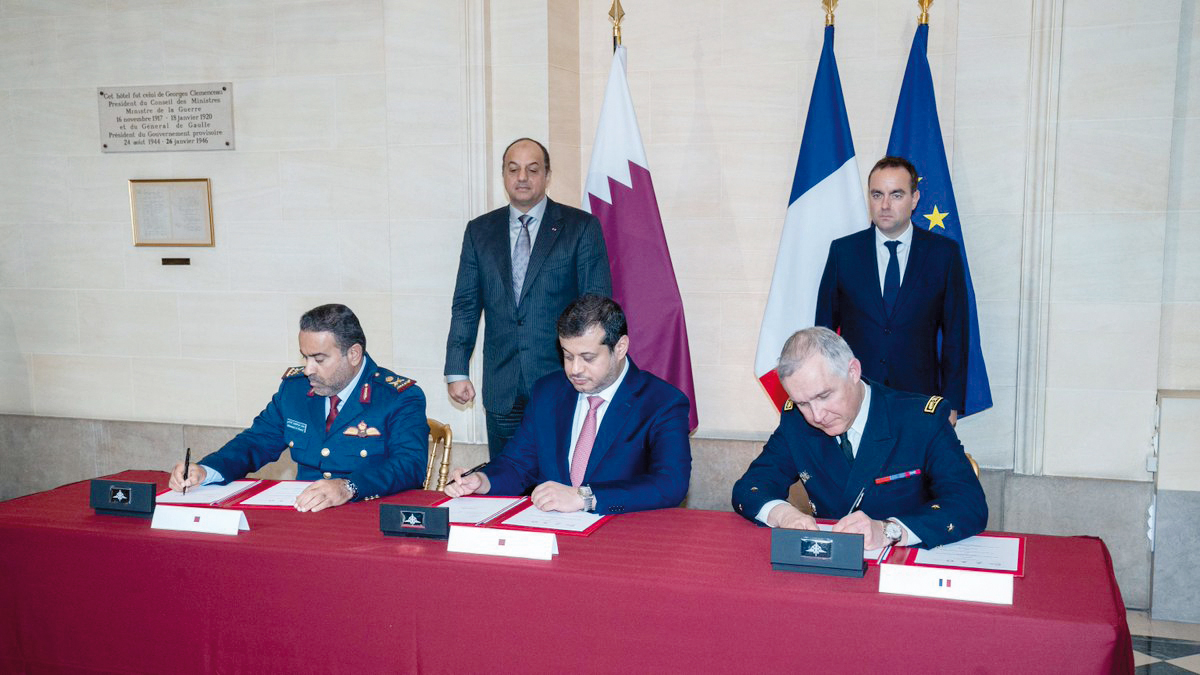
(676,590)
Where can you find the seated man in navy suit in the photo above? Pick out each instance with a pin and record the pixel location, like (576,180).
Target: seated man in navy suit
(886,463)
(603,436)
(358,431)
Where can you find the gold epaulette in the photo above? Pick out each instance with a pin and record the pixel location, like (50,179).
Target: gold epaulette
(293,372)
(932,404)
(399,382)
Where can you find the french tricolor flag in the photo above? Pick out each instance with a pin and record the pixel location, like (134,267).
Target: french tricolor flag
(620,194)
(827,202)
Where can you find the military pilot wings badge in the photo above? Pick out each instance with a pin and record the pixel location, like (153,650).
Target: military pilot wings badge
(361,431)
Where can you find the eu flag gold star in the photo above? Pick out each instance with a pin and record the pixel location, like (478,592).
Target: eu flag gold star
(936,218)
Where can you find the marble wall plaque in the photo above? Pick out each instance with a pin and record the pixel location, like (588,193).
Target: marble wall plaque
(166,118)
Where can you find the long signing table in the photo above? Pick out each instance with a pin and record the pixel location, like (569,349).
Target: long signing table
(676,590)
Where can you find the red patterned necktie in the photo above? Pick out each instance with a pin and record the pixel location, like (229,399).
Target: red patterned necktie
(583,446)
(333,404)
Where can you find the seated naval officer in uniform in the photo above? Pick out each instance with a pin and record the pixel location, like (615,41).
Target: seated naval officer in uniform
(602,435)
(359,431)
(886,463)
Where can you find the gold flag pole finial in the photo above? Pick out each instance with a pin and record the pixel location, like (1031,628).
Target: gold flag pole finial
(923,20)
(615,15)
(829,6)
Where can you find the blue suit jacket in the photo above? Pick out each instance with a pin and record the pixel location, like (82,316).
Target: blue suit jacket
(904,431)
(379,440)
(520,343)
(641,459)
(901,350)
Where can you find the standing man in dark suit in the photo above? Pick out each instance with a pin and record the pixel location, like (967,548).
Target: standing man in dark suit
(892,318)
(887,463)
(520,266)
(606,437)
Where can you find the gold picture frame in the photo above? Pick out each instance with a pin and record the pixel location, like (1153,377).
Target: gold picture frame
(171,212)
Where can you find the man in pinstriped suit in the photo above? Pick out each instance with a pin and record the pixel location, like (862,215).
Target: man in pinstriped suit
(561,252)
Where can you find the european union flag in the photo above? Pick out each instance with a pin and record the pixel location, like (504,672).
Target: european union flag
(917,136)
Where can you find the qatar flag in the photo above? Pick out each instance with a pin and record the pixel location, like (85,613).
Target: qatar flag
(620,194)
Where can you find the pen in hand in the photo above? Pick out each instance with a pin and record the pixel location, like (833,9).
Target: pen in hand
(472,470)
(857,501)
(187,459)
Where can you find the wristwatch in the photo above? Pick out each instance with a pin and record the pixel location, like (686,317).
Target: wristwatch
(352,487)
(589,499)
(892,531)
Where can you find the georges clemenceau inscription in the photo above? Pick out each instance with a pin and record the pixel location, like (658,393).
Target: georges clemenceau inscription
(166,118)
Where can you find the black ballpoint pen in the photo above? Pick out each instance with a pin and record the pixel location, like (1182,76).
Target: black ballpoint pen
(472,470)
(187,459)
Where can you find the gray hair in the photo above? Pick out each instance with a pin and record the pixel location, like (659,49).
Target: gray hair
(819,340)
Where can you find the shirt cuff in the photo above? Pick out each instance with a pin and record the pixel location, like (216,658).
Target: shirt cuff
(456,378)
(766,510)
(211,475)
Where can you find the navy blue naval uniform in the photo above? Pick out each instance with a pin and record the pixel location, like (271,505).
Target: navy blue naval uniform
(378,441)
(943,504)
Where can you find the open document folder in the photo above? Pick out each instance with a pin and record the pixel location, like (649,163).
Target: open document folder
(206,495)
(518,513)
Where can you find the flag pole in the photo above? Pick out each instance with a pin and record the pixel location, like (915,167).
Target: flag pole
(923,20)
(829,6)
(615,15)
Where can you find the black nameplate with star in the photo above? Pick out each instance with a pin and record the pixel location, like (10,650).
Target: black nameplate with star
(838,554)
(427,522)
(122,498)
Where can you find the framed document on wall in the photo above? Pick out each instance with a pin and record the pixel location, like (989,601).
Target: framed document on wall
(171,212)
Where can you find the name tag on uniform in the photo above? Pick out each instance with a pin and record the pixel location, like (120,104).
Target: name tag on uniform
(297,425)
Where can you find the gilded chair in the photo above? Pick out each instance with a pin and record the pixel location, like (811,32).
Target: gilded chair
(440,437)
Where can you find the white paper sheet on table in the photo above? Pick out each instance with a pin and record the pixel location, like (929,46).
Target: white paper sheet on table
(553,520)
(999,554)
(283,493)
(205,494)
(477,509)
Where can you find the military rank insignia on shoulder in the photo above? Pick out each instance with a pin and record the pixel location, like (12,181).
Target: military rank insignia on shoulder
(932,404)
(788,405)
(293,372)
(399,382)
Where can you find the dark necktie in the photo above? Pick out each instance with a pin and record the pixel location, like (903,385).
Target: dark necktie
(333,404)
(891,278)
(520,258)
(847,447)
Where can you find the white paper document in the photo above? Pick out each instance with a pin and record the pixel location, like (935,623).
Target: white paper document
(553,520)
(997,554)
(477,509)
(205,494)
(283,493)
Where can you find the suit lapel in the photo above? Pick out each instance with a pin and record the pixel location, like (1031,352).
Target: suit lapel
(500,250)
(874,449)
(870,259)
(615,418)
(352,409)
(316,417)
(546,236)
(564,416)
(916,264)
